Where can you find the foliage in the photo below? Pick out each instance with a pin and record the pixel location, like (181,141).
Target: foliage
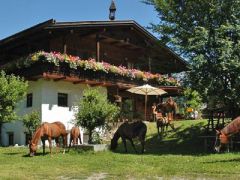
(95,110)
(173,158)
(207,33)
(76,63)
(31,121)
(127,109)
(12,90)
(193,99)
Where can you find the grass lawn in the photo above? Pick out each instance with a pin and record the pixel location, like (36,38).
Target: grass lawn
(179,155)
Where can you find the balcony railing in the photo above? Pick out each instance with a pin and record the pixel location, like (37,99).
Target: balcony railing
(72,66)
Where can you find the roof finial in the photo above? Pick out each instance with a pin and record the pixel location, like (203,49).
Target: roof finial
(112,10)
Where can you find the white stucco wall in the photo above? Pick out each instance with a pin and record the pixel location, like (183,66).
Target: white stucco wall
(45,99)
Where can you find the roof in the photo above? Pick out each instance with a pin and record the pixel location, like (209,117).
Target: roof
(51,24)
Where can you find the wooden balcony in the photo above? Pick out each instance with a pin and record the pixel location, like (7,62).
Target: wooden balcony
(79,75)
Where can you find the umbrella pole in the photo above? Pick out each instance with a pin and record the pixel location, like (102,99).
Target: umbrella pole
(145,107)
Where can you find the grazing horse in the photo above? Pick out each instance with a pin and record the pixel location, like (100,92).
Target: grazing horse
(223,135)
(74,136)
(48,131)
(130,131)
(165,115)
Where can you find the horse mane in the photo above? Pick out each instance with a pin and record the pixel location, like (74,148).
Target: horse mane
(233,127)
(37,135)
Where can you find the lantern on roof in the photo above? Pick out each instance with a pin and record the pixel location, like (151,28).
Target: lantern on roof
(112,10)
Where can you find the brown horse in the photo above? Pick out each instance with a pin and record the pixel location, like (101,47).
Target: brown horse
(48,131)
(74,136)
(165,115)
(162,123)
(130,131)
(223,135)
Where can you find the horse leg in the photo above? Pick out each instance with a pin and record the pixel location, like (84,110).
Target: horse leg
(166,125)
(158,131)
(124,142)
(133,145)
(80,138)
(75,141)
(57,145)
(43,142)
(162,128)
(142,140)
(64,142)
(50,145)
(70,143)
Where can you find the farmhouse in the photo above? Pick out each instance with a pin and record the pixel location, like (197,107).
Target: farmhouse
(60,59)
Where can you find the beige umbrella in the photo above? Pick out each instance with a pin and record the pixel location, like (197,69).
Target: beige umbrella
(146,90)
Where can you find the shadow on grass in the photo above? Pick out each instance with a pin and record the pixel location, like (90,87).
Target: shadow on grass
(183,141)
(36,154)
(225,161)
(12,153)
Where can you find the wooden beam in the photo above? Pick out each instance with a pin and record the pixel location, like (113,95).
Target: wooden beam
(120,43)
(64,45)
(79,81)
(96,84)
(124,85)
(97,48)
(60,78)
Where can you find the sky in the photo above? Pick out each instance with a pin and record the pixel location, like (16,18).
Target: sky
(17,15)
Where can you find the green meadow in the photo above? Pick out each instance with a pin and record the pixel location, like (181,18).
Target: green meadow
(178,155)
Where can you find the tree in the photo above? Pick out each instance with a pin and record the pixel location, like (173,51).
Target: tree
(94,110)
(12,90)
(207,33)
(31,121)
(193,99)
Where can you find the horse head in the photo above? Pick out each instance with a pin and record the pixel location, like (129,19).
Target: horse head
(32,148)
(114,141)
(221,139)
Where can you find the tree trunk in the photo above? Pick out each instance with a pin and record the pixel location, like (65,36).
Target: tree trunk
(90,136)
(0,134)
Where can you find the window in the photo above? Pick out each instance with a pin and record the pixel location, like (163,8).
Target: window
(62,99)
(29,99)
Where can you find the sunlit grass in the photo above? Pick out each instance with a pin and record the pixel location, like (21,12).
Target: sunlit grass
(178,155)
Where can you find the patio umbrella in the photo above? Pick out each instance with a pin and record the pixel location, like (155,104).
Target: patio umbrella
(146,90)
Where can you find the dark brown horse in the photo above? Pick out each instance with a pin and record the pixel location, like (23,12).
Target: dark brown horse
(224,134)
(165,115)
(130,131)
(48,131)
(74,136)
